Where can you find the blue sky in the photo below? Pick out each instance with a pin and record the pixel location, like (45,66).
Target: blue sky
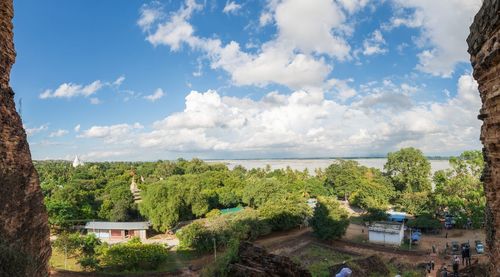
(146,80)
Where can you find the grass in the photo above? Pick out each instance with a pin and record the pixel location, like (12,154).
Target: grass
(357,220)
(176,260)
(318,259)
(57,261)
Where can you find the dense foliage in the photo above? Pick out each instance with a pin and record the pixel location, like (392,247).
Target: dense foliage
(177,191)
(330,219)
(133,256)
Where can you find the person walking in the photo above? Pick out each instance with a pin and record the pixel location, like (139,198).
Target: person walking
(456,265)
(444,272)
(432,264)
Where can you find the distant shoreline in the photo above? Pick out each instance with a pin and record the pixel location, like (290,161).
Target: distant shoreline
(433,158)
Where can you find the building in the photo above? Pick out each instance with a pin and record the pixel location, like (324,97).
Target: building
(77,162)
(117,230)
(386,232)
(397,216)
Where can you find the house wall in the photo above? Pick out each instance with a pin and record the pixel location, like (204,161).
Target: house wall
(118,234)
(385,238)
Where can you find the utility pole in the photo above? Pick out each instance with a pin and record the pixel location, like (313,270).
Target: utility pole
(410,240)
(65,257)
(215,250)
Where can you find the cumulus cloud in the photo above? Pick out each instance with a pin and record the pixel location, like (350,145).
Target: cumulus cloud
(381,117)
(70,90)
(58,133)
(305,31)
(149,14)
(158,94)
(353,5)
(112,133)
(444,28)
(374,44)
(231,7)
(36,130)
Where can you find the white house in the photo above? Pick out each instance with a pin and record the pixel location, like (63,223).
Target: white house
(117,230)
(386,232)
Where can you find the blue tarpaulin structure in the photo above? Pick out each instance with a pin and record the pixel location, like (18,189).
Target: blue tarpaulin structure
(345,272)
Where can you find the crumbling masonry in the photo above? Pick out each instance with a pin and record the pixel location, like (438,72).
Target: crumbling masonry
(24,233)
(484,48)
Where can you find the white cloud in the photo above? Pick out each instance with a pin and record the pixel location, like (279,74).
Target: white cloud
(374,44)
(149,14)
(306,123)
(77,128)
(305,30)
(353,5)
(444,28)
(95,101)
(105,155)
(231,7)
(36,130)
(70,90)
(58,133)
(119,81)
(112,133)
(158,94)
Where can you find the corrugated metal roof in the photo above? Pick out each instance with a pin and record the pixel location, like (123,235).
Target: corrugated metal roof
(386,227)
(117,225)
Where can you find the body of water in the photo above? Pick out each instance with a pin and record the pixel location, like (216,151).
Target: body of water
(312,164)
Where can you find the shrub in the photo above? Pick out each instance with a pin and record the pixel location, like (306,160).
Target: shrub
(196,236)
(424,222)
(330,219)
(134,256)
(213,213)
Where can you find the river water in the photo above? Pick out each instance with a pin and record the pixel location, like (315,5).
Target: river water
(312,164)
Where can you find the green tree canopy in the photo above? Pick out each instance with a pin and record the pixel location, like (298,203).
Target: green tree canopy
(330,219)
(409,170)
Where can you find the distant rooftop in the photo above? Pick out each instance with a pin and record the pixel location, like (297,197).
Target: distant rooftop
(117,225)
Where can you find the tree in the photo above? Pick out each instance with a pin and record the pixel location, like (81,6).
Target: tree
(409,170)
(459,190)
(374,191)
(343,177)
(330,219)
(259,190)
(286,212)
(117,202)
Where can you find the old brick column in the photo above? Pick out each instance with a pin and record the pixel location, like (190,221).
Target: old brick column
(484,48)
(24,233)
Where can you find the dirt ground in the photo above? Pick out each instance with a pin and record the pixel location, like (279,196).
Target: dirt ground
(355,243)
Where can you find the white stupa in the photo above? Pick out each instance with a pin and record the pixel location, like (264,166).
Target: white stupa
(77,162)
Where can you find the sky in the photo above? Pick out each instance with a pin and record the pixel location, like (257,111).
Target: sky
(224,79)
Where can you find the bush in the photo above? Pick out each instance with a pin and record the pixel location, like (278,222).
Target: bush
(196,236)
(424,222)
(213,213)
(330,219)
(244,225)
(134,256)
